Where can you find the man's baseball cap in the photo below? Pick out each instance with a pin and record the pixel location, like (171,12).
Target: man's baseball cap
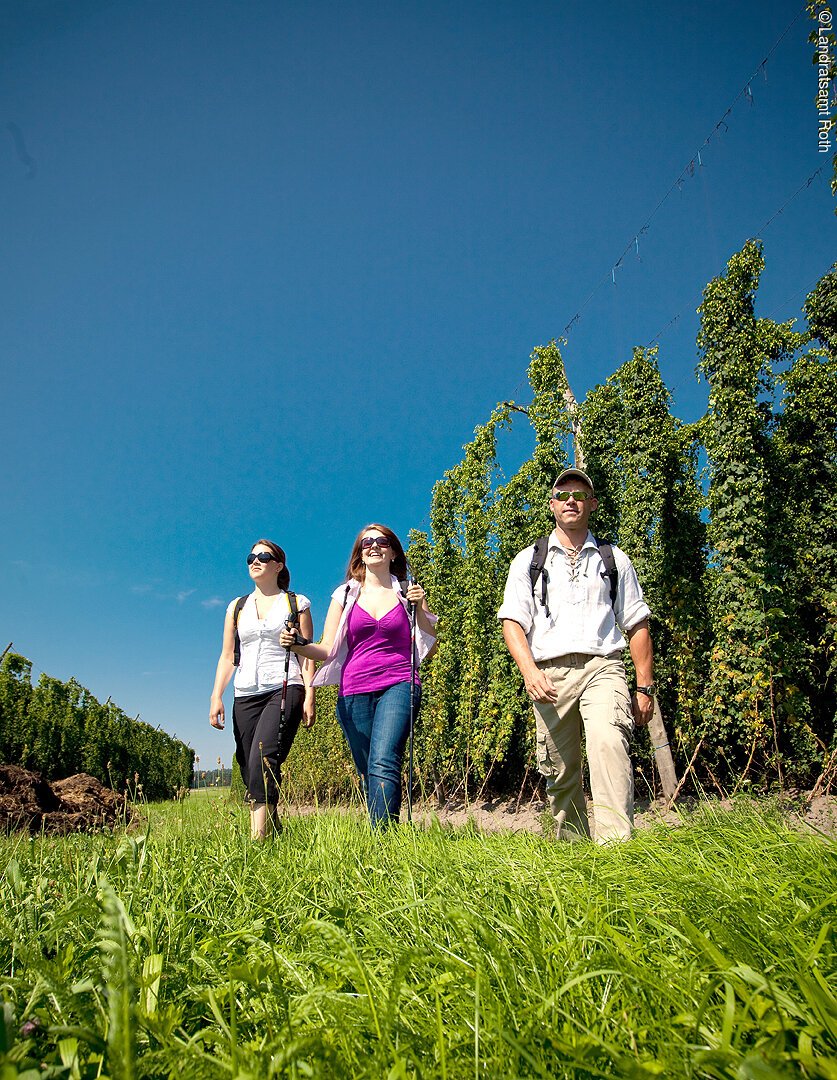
(574,474)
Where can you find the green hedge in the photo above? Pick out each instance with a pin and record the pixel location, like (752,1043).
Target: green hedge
(59,728)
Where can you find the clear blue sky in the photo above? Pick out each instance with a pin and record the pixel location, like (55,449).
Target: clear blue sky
(266,265)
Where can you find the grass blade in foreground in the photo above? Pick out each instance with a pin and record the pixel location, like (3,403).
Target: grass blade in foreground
(704,951)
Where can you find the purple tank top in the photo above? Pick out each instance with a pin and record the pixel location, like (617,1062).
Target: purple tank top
(379,651)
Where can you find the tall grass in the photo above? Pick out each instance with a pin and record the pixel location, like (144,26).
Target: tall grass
(703,951)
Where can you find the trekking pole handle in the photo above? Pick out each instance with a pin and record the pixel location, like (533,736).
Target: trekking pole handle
(411,580)
(290,624)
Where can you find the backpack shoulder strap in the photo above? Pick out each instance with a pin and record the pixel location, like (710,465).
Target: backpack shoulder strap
(538,560)
(610,569)
(239,604)
(293,606)
(536,569)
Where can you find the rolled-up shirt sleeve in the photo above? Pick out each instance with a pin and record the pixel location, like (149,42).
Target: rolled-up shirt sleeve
(630,607)
(518,602)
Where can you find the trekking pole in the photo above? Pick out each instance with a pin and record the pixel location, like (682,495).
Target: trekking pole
(411,581)
(290,624)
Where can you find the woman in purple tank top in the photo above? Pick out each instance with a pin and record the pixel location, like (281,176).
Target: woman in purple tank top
(366,646)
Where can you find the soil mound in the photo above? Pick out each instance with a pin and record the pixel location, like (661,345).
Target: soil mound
(78,804)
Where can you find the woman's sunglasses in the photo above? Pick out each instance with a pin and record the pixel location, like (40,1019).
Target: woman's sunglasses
(263,557)
(379,541)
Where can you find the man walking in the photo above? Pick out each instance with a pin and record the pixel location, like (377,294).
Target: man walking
(566,629)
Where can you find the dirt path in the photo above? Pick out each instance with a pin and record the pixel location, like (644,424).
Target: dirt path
(28,802)
(498,815)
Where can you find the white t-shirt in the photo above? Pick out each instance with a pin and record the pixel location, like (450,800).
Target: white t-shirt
(262,665)
(582,618)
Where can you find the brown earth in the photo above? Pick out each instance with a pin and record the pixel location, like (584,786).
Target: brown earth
(81,804)
(816,813)
(78,804)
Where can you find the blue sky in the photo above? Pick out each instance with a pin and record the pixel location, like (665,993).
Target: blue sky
(266,265)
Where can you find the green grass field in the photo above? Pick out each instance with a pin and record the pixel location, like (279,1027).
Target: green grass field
(184,950)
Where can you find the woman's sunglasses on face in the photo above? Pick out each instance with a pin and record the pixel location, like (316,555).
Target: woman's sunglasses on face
(579,496)
(379,541)
(263,556)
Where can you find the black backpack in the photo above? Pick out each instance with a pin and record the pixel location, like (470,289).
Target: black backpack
(239,604)
(537,568)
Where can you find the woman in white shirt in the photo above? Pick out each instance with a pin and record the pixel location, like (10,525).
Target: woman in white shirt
(263,737)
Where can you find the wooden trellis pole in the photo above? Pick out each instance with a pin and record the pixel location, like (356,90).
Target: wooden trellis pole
(663,758)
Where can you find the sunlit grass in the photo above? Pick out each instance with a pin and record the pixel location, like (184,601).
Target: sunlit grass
(706,950)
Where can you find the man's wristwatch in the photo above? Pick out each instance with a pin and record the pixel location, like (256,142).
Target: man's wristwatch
(649,691)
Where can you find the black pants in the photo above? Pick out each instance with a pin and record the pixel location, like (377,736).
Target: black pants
(262,743)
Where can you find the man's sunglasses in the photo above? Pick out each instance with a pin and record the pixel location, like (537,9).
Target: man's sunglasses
(579,496)
(379,541)
(263,557)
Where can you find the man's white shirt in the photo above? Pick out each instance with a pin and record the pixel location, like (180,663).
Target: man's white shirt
(582,618)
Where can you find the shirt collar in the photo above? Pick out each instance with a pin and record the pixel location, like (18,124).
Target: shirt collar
(556,545)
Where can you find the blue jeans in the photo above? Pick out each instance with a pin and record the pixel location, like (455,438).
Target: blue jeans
(377,726)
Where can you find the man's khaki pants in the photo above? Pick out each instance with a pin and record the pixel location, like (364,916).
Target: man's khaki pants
(592,690)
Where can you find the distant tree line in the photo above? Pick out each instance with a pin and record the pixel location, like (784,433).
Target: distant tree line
(730,522)
(219,776)
(59,728)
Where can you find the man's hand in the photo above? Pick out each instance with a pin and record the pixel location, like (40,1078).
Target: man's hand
(642,654)
(539,687)
(643,709)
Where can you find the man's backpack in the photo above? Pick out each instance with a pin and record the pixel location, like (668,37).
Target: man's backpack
(537,568)
(239,604)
